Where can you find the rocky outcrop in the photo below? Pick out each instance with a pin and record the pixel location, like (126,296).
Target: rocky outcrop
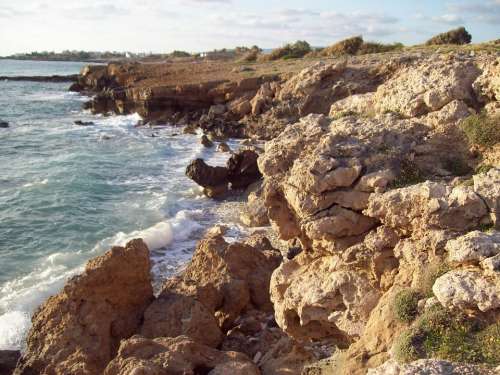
(319,174)
(241,171)
(79,330)
(179,355)
(227,278)
(255,212)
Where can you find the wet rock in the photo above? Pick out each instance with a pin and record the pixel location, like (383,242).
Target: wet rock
(4,124)
(223,147)
(8,361)
(179,355)
(83,123)
(213,179)
(205,141)
(76,87)
(79,329)
(243,169)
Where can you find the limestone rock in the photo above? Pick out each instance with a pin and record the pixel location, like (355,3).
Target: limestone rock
(426,87)
(79,329)
(255,212)
(487,85)
(358,104)
(318,299)
(468,289)
(487,186)
(173,315)
(319,176)
(179,355)
(473,247)
(428,205)
(227,278)
(286,357)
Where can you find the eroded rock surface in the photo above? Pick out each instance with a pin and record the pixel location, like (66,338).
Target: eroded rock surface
(179,355)
(227,278)
(78,331)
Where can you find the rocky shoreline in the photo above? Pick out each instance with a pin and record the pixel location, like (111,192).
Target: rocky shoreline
(384,208)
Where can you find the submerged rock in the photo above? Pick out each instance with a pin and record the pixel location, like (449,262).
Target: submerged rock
(79,329)
(4,124)
(83,123)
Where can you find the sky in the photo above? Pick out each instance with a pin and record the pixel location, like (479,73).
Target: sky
(202,25)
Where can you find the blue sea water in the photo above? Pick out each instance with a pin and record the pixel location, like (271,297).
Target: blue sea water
(67,193)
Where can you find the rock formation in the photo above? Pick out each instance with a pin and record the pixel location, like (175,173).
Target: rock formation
(79,330)
(241,171)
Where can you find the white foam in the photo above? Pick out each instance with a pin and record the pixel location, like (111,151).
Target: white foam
(13,327)
(36,183)
(159,235)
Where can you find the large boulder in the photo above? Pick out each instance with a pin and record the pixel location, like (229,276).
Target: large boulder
(227,278)
(473,247)
(468,289)
(78,331)
(241,170)
(429,205)
(314,299)
(172,315)
(214,180)
(179,355)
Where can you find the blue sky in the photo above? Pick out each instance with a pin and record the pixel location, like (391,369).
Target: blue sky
(198,25)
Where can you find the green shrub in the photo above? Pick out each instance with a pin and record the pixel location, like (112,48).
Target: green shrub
(374,47)
(405,348)
(348,46)
(483,169)
(290,51)
(482,129)
(457,166)
(405,305)
(449,336)
(180,54)
(409,174)
(457,36)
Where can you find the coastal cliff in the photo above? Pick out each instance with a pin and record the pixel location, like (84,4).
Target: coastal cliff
(383,252)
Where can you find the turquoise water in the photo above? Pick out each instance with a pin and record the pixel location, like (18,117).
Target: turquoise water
(67,193)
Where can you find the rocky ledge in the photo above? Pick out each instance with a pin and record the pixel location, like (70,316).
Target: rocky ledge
(383,196)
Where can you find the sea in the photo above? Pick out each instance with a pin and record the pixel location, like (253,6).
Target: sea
(68,193)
